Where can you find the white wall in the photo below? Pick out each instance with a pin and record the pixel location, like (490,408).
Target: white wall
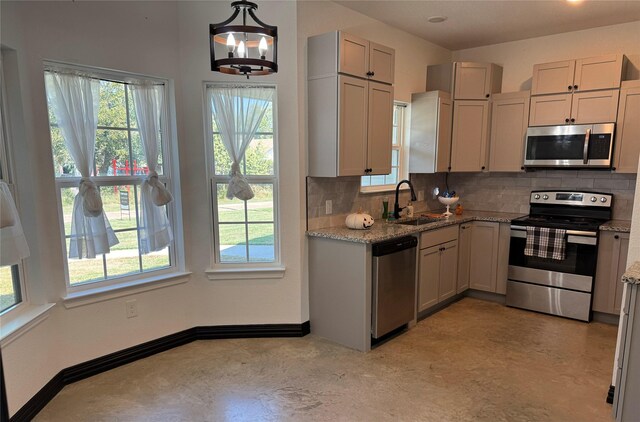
(169,40)
(518,57)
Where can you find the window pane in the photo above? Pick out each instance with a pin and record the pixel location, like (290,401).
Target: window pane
(365,181)
(156,260)
(119,203)
(85,270)
(222,160)
(392,178)
(124,257)
(229,210)
(394,136)
(261,244)
(112,111)
(377,180)
(232,238)
(395,155)
(259,156)
(112,152)
(9,287)
(133,118)
(260,207)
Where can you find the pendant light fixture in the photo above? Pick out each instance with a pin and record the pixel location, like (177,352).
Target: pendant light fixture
(243,49)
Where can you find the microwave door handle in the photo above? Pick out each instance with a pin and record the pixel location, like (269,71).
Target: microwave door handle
(585,152)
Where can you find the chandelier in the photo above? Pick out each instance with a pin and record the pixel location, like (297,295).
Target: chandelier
(244,49)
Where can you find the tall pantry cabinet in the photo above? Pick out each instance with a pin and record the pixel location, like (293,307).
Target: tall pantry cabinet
(350,105)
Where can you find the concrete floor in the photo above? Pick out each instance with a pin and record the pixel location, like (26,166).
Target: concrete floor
(474,361)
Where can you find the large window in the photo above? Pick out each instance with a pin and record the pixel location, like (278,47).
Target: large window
(119,171)
(399,167)
(10,275)
(245,231)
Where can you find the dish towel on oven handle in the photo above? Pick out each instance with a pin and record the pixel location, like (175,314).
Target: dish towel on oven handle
(543,242)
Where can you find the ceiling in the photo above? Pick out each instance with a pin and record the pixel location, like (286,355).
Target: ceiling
(476,23)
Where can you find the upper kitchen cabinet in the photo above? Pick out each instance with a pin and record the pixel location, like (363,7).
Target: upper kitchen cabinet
(350,119)
(577,108)
(466,80)
(509,121)
(350,127)
(627,143)
(477,81)
(339,52)
(590,74)
(430,147)
(470,135)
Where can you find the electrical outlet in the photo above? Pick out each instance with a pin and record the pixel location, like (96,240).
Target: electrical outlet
(131,307)
(420,195)
(328,206)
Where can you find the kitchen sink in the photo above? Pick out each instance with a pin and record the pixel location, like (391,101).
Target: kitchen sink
(419,221)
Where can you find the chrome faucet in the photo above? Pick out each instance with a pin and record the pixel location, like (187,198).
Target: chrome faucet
(396,207)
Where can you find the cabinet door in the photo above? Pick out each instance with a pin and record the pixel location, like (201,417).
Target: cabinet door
(502,266)
(553,78)
(484,256)
(464,255)
(448,271)
(381,63)
(354,55)
(469,136)
(604,72)
(429,276)
(473,81)
(612,263)
(627,144)
(352,122)
(549,110)
(443,138)
(509,121)
(595,106)
(380,128)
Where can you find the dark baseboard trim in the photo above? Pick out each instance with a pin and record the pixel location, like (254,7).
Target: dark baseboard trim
(131,354)
(611,393)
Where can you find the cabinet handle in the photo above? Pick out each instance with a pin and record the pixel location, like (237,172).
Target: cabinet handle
(521,167)
(449,167)
(616,237)
(575,87)
(573,120)
(569,87)
(566,120)
(613,168)
(482,167)
(488,95)
(373,74)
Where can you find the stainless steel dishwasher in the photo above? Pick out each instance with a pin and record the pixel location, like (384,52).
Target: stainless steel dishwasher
(394,285)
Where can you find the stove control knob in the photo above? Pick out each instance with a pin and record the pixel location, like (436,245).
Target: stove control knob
(603,200)
(594,199)
(545,197)
(536,196)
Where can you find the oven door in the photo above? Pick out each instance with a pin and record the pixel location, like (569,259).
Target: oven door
(575,272)
(569,146)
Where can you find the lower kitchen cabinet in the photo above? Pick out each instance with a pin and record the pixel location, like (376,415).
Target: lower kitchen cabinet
(483,259)
(612,263)
(438,266)
(464,255)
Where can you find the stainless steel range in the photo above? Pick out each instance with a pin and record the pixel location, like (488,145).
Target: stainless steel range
(560,286)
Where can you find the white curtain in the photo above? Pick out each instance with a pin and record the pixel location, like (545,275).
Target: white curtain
(75,100)
(238,112)
(155,229)
(13,245)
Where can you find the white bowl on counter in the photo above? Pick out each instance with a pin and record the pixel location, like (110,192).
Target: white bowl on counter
(448,202)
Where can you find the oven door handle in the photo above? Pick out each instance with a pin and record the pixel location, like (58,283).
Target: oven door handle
(573,236)
(585,152)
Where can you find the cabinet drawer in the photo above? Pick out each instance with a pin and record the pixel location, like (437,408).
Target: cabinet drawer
(439,236)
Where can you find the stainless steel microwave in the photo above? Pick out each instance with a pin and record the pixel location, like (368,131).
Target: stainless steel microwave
(570,146)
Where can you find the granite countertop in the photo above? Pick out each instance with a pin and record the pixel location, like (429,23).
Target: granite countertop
(632,275)
(623,226)
(382,230)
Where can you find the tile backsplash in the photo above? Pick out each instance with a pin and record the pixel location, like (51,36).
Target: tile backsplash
(505,192)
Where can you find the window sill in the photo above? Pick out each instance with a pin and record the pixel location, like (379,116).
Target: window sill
(246,273)
(99,294)
(17,322)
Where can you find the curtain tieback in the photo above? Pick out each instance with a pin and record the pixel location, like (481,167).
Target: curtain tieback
(91,200)
(160,195)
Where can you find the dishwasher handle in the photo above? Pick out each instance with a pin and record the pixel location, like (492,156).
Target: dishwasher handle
(395,245)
